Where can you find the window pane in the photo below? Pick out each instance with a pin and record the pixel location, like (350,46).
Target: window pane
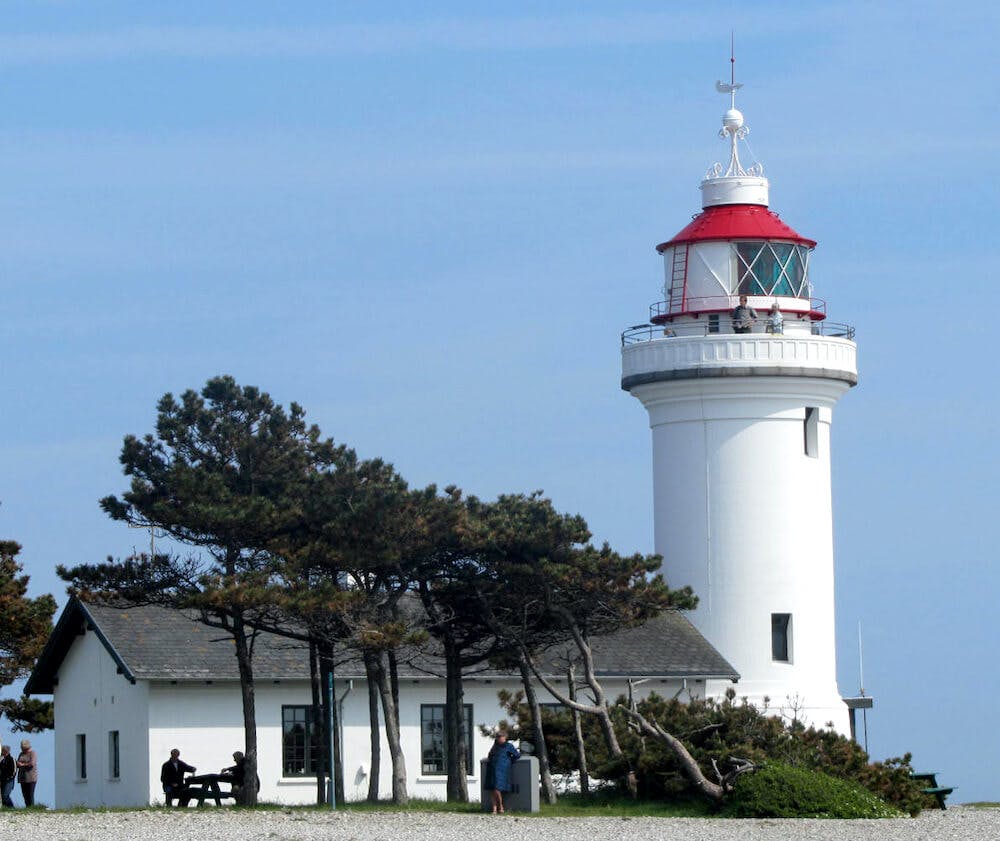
(432,743)
(432,738)
(747,255)
(779,636)
(81,756)
(114,767)
(299,742)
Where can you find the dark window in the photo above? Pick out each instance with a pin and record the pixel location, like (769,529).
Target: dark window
(81,756)
(781,626)
(713,323)
(299,742)
(114,762)
(810,432)
(432,747)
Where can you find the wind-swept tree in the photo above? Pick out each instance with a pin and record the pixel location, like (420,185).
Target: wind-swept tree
(25,625)
(559,588)
(223,474)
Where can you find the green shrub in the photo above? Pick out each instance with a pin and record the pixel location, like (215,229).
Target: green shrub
(718,730)
(782,791)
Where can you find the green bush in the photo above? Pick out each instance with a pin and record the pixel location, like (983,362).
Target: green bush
(782,791)
(717,731)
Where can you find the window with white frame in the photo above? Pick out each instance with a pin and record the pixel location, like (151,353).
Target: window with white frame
(300,738)
(432,740)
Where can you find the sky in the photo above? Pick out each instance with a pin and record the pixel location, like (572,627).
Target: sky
(428,224)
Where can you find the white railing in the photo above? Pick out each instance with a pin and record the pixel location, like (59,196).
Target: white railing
(723,327)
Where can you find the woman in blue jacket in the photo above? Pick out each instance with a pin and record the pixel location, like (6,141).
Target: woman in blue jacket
(501,756)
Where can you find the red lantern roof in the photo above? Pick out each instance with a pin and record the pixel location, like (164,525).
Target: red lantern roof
(736,221)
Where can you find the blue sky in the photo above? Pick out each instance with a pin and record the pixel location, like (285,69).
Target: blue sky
(429,227)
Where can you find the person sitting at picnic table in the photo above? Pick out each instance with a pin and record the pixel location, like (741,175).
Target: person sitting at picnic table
(172,776)
(236,774)
(501,756)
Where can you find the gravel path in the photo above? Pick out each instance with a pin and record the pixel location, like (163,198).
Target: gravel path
(211,825)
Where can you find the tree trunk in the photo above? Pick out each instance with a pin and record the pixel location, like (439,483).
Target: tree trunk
(375,769)
(455,740)
(715,792)
(317,720)
(581,748)
(399,793)
(328,762)
(244,661)
(338,758)
(394,681)
(541,750)
(600,706)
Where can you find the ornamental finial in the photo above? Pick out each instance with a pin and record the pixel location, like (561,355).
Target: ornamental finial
(733,127)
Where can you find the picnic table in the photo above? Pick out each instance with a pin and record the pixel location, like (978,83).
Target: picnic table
(932,788)
(206,787)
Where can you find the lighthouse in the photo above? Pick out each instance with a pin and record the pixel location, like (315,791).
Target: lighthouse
(739,369)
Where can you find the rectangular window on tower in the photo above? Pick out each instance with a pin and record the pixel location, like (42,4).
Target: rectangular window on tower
(781,637)
(810,432)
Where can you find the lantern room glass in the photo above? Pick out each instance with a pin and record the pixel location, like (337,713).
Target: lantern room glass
(771,269)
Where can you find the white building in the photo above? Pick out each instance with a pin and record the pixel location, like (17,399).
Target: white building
(129,685)
(741,437)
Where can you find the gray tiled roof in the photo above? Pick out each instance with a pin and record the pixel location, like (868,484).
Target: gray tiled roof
(156,643)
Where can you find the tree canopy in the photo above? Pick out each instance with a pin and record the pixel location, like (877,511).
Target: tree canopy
(24,629)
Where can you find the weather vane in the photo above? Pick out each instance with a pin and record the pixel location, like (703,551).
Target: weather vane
(732,87)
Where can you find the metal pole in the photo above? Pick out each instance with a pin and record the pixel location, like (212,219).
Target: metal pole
(332,790)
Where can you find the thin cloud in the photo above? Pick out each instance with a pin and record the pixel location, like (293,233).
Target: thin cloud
(142,42)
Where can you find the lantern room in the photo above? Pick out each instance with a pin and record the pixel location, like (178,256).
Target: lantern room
(736,247)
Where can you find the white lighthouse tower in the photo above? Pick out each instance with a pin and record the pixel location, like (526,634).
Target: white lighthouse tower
(740,406)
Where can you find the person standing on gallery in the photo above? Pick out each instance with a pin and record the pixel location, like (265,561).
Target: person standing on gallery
(775,320)
(743,316)
(501,756)
(8,772)
(27,772)
(172,776)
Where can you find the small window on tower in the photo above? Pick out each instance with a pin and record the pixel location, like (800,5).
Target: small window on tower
(810,432)
(781,637)
(713,323)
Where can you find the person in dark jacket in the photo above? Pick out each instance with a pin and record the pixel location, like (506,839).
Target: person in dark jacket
(237,774)
(8,772)
(172,776)
(501,756)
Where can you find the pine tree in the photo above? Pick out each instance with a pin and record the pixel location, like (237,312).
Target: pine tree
(24,629)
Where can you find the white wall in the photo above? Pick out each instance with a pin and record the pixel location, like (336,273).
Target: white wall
(204,722)
(93,699)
